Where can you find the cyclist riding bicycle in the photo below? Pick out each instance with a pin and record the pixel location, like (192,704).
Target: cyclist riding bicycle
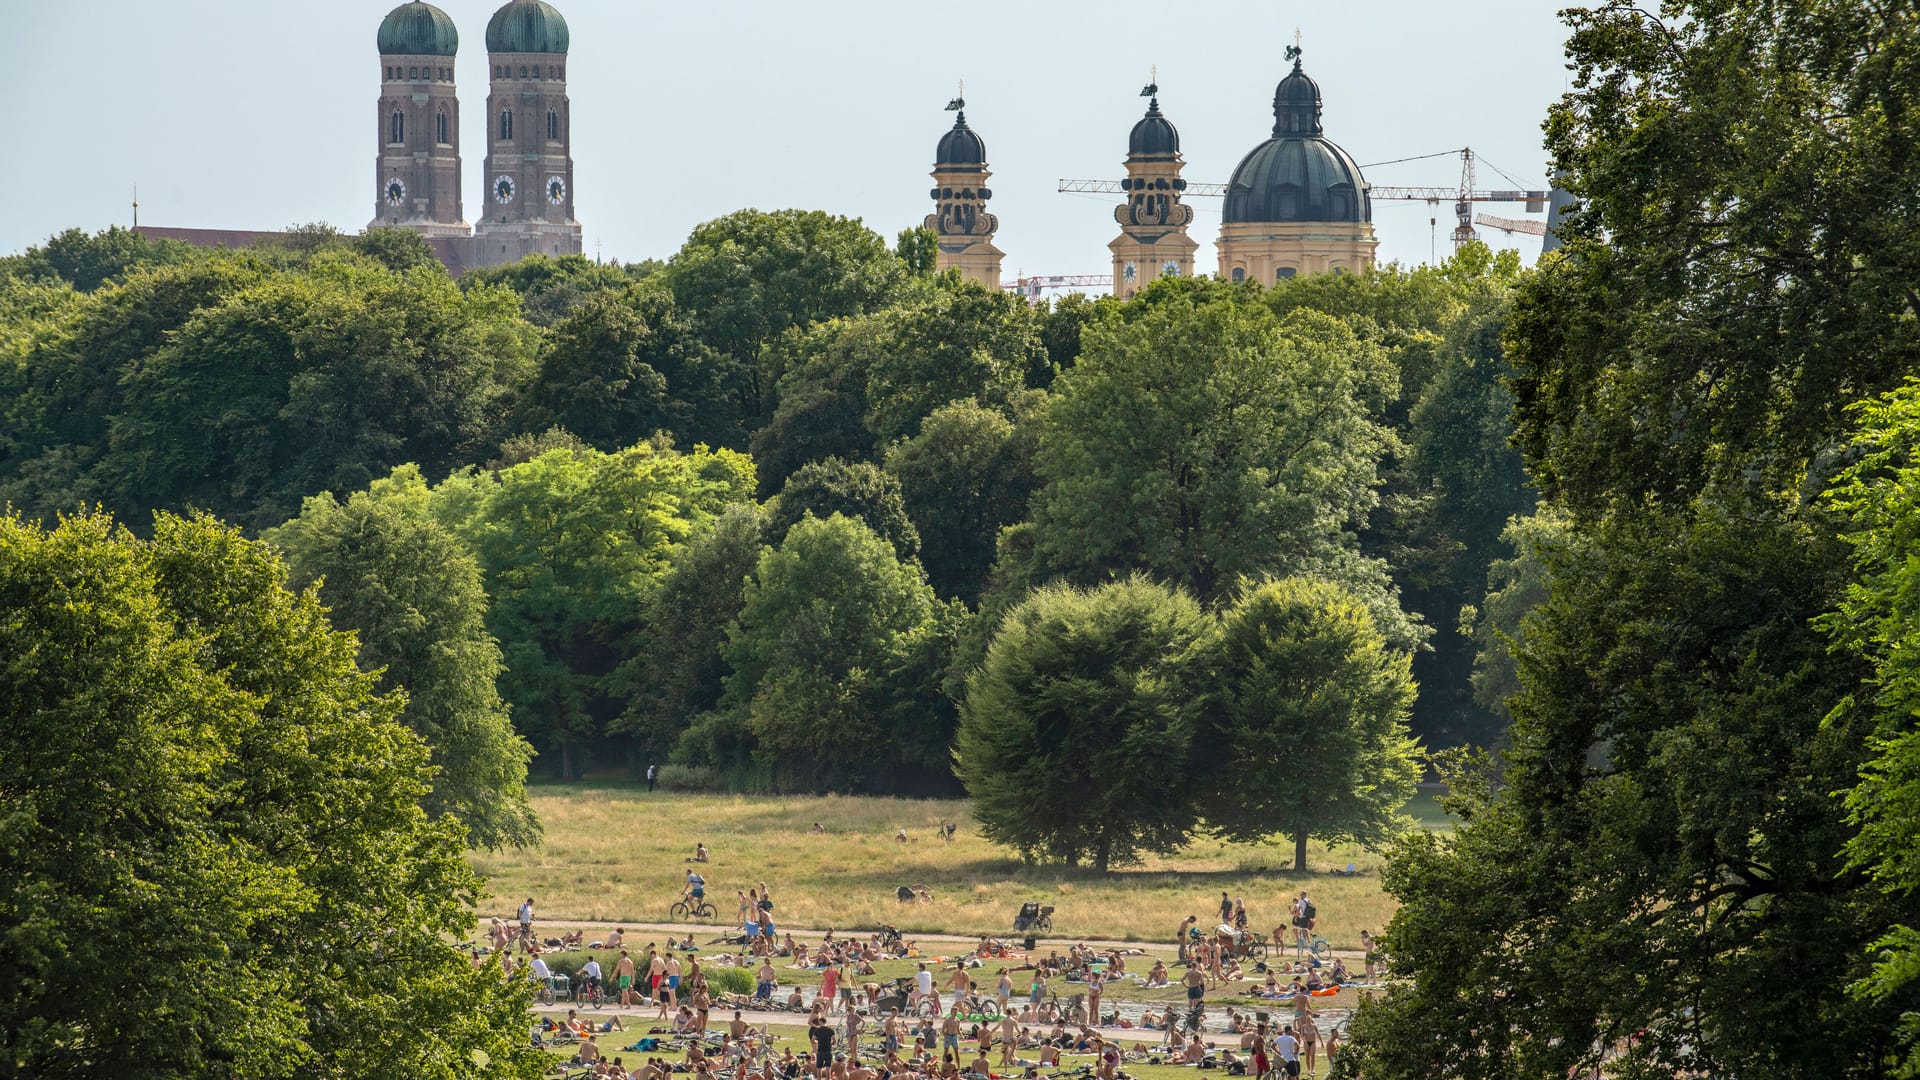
(696,891)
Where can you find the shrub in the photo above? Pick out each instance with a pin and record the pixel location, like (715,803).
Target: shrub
(691,778)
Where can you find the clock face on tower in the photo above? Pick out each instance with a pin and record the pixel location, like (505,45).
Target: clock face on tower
(1129,272)
(556,190)
(394,192)
(503,190)
(1171,269)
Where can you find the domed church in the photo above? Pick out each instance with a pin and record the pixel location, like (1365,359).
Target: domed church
(1297,203)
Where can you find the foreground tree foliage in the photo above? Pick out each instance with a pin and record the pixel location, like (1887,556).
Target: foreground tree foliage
(1661,856)
(411,591)
(1314,705)
(213,859)
(1877,623)
(1077,730)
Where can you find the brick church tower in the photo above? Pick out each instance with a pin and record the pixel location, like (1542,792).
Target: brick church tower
(528,201)
(417,173)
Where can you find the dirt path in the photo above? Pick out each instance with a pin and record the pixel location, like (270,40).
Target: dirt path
(706,932)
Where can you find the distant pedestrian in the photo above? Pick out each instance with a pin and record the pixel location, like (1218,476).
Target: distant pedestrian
(653,773)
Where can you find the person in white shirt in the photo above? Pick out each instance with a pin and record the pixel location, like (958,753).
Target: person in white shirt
(922,984)
(1288,1049)
(540,970)
(589,973)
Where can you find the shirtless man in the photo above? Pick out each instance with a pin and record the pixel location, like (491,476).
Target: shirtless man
(672,981)
(961,982)
(657,980)
(623,978)
(1009,1038)
(979,1066)
(950,1033)
(1196,983)
(890,1031)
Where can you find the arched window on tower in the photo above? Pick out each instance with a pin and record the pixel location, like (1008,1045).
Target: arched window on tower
(440,128)
(397,127)
(506,124)
(553,125)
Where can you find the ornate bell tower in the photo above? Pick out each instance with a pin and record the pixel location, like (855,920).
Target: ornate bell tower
(417,173)
(963,227)
(528,201)
(1153,241)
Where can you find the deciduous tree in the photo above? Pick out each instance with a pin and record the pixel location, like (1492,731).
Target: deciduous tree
(1313,706)
(1076,733)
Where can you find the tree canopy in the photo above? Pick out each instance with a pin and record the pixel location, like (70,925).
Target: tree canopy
(1076,732)
(207,797)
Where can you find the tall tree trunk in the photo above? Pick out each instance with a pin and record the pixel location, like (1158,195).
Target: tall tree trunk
(1101,854)
(1300,853)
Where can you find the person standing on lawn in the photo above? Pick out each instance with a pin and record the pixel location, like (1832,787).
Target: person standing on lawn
(1094,987)
(854,1025)
(653,773)
(829,988)
(623,978)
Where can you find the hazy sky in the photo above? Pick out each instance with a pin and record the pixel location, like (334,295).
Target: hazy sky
(261,113)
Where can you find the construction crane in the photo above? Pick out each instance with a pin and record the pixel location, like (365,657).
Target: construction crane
(1034,286)
(1463,197)
(1511,225)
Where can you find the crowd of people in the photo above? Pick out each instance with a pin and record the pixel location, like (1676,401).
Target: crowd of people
(937,1024)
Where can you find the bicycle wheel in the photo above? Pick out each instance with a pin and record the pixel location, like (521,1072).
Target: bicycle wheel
(678,912)
(988,1008)
(1257,950)
(1044,922)
(707,911)
(1320,949)
(927,1008)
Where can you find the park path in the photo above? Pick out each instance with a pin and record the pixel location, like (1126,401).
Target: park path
(706,932)
(639,1018)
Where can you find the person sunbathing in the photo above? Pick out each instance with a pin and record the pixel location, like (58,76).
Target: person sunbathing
(1157,977)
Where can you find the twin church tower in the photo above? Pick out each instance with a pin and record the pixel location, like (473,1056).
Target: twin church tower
(527,202)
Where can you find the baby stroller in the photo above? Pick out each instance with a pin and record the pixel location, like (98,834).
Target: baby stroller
(1033,918)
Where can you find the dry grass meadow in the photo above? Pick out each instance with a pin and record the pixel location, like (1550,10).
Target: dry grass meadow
(616,853)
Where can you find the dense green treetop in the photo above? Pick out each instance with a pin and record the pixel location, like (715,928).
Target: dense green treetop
(213,861)
(966,474)
(550,287)
(824,616)
(1202,439)
(753,274)
(675,669)
(1076,733)
(858,490)
(411,592)
(87,262)
(314,382)
(1314,704)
